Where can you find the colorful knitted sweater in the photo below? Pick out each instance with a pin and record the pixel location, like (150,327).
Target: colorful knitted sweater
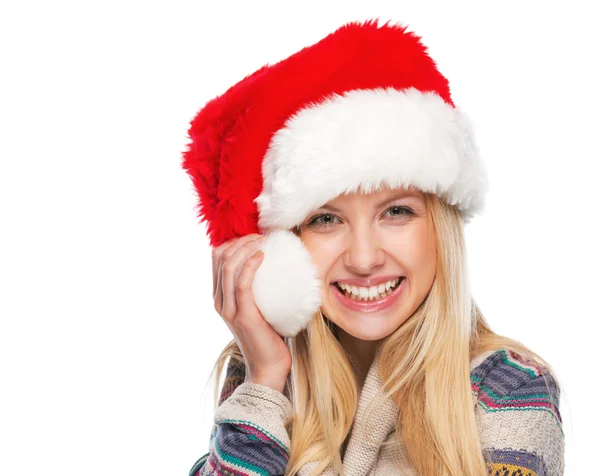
(516,407)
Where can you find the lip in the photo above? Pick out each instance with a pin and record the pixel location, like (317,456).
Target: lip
(366,306)
(367,283)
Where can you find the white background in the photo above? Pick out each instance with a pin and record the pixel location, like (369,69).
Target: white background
(108,332)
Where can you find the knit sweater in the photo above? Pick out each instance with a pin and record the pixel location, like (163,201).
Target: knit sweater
(517,415)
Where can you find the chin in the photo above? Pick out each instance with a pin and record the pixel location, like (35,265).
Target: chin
(369,334)
(367,327)
(373,331)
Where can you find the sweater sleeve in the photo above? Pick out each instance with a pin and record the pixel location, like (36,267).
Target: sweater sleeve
(249,434)
(518,417)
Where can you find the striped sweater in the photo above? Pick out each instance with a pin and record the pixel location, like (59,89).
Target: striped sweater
(516,407)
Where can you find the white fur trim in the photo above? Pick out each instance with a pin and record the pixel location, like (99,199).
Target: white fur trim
(364,139)
(286,288)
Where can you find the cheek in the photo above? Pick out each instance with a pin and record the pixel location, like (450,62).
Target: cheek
(416,252)
(424,263)
(323,250)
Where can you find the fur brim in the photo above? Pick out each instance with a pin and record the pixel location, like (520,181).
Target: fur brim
(363,139)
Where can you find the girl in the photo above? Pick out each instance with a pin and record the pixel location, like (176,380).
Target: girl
(335,186)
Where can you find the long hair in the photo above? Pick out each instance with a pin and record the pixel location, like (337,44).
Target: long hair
(424,366)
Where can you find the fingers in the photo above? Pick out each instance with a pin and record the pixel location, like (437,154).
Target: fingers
(217,254)
(218,294)
(216,261)
(231,268)
(243,286)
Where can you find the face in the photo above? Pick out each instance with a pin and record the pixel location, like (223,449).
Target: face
(375,254)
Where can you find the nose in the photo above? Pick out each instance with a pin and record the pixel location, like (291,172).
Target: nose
(364,253)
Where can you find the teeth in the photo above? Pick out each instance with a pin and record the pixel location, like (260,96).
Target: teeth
(369,294)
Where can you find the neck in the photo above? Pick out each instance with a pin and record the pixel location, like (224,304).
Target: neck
(361,352)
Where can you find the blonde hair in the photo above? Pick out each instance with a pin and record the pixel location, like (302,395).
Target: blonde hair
(420,371)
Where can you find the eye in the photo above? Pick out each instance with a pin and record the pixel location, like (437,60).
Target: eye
(396,211)
(324,220)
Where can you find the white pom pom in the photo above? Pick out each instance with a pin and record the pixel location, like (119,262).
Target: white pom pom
(286,288)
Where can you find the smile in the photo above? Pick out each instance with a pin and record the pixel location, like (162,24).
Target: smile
(371,299)
(373,293)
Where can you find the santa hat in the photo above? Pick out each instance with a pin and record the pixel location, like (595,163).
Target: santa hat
(363,108)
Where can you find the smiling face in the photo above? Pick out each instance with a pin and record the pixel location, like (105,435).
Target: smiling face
(376,255)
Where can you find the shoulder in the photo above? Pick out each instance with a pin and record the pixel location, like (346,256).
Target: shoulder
(499,374)
(517,413)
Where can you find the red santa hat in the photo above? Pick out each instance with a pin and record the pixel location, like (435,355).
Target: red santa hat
(363,108)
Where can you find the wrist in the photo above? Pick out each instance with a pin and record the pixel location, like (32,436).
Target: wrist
(268,381)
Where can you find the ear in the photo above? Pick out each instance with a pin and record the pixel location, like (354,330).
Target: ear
(286,288)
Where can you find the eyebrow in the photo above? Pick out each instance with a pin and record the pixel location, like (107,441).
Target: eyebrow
(396,196)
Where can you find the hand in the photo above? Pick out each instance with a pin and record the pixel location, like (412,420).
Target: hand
(234,263)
